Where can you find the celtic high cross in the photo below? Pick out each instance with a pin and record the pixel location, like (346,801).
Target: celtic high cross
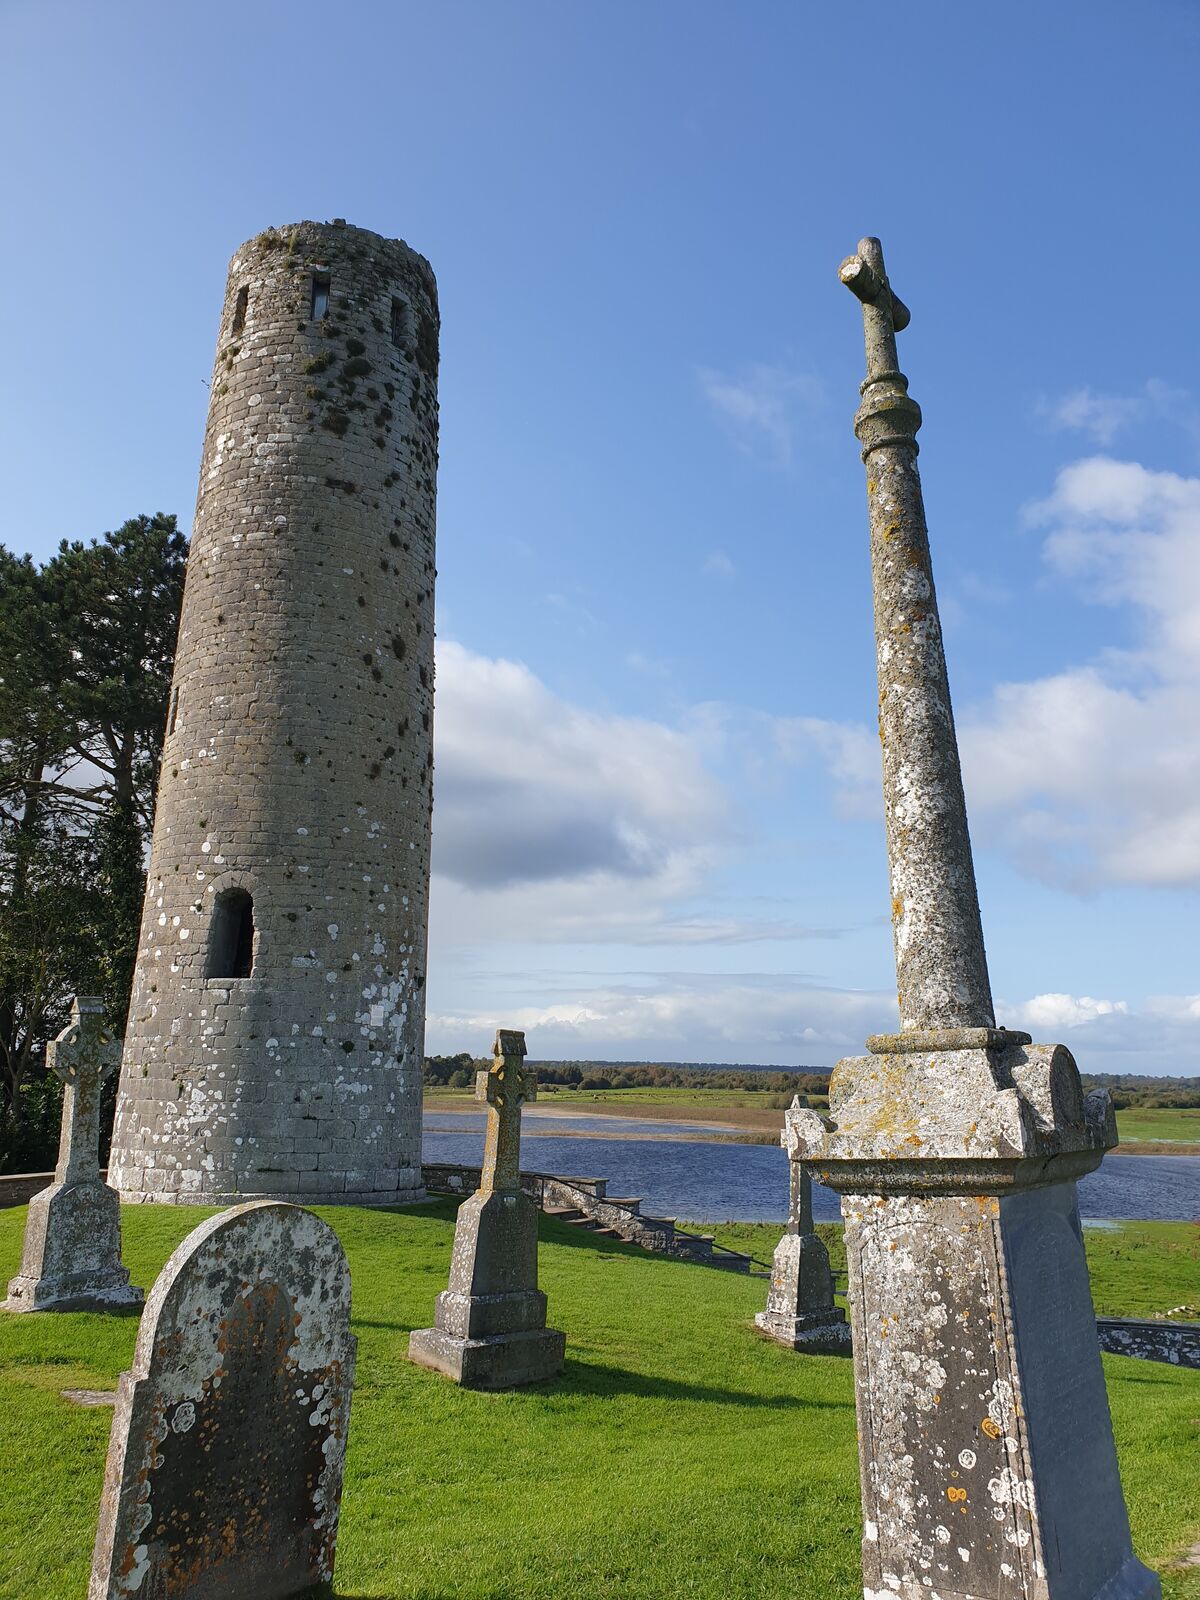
(506,1086)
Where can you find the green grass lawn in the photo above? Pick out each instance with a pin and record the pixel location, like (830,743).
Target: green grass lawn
(1138,1269)
(679,1456)
(1152,1123)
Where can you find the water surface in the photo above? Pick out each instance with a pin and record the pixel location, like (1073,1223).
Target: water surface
(749,1182)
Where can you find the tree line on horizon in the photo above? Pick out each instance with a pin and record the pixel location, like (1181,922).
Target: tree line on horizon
(1128,1090)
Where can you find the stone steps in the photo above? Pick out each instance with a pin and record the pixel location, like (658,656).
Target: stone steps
(585,1203)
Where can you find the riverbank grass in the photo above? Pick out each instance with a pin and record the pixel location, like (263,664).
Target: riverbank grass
(1138,1269)
(679,1456)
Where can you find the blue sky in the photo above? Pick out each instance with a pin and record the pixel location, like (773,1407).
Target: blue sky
(658,831)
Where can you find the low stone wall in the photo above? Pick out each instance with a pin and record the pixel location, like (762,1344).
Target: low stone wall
(450,1177)
(588,1195)
(1174,1342)
(19,1188)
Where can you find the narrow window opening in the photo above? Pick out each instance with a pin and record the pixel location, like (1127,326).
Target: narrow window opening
(400,324)
(320,296)
(239,309)
(173,715)
(231,937)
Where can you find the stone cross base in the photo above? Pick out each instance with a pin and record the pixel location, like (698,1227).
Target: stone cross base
(814,1333)
(490,1325)
(72,1255)
(986,1449)
(800,1309)
(982,1392)
(504,1361)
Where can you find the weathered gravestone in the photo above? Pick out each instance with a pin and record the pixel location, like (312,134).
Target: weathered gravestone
(986,1450)
(801,1312)
(224,1473)
(490,1325)
(72,1255)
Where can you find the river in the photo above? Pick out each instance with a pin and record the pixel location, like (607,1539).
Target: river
(695,1180)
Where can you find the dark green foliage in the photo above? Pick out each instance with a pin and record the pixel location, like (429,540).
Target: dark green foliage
(655,1075)
(88,643)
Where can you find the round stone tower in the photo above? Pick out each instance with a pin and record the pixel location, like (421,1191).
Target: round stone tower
(276,1030)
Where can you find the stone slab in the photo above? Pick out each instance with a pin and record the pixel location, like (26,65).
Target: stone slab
(224,1466)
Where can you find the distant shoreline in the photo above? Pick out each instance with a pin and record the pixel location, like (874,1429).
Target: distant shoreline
(720,1125)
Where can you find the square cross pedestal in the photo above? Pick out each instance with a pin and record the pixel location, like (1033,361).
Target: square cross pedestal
(490,1325)
(987,1457)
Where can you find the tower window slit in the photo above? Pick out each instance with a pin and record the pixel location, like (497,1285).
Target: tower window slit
(320,296)
(231,936)
(239,308)
(173,714)
(400,324)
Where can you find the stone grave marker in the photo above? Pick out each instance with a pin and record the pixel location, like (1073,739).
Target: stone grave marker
(985,1446)
(72,1255)
(490,1325)
(224,1473)
(801,1311)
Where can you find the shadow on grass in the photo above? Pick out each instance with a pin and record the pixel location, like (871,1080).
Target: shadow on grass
(594,1378)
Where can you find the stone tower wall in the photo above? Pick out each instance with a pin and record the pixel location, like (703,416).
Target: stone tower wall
(298,760)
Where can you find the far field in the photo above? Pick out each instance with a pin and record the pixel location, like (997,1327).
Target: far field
(680,1455)
(1142,1131)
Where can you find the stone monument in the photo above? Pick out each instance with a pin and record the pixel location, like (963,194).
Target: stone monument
(224,1473)
(72,1255)
(276,1030)
(490,1326)
(801,1312)
(986,1450)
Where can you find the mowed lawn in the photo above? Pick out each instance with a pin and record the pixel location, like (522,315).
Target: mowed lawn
(679,1456)
(1152,1124)
(1138,1269)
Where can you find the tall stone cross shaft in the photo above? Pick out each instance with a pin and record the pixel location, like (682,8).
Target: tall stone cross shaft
(985,1446)
(505,1087)
(941,970)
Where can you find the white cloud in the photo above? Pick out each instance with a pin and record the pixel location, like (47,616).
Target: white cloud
(1159,1037)
(1100,415)
(771,1018)
(1047,1013)
(718,565)
(531,789)
(1089,775)
(742,1018)
(848,751)
(761,407)
(1104,416)
(1092,774)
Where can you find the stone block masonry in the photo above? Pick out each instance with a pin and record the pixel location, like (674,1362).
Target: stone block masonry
(276,1030)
